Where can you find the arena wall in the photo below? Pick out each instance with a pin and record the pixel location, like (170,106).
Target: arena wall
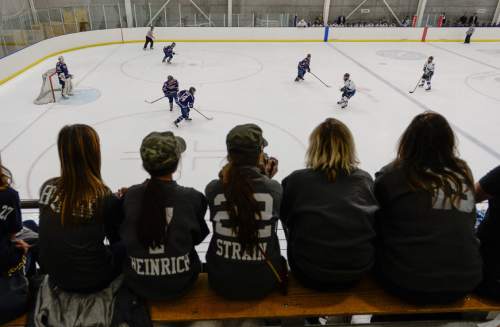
(16,63)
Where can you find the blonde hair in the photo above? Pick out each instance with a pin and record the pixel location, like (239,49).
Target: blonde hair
(5,177)
(331,149)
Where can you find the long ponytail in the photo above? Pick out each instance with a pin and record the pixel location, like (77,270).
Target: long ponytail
(241,205)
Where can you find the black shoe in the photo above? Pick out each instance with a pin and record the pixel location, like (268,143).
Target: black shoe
(189,119)
(176,124)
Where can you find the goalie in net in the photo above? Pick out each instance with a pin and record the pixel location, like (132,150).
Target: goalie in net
(54,80)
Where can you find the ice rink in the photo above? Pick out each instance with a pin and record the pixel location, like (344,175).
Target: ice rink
(251,82)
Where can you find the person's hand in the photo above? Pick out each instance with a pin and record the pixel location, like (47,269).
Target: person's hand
(121,192)
(272,167)
(268,165)
(20,244)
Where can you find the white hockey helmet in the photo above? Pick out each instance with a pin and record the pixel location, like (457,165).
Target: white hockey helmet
(60,59)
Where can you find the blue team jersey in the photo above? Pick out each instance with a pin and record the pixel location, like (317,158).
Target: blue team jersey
(185,99)
(168,50)
(62,68)
(304,64)
(170,87)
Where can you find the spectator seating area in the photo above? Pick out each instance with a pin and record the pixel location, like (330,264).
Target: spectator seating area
(367,298)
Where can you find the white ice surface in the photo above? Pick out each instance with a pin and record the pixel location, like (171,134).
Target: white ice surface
(251,82)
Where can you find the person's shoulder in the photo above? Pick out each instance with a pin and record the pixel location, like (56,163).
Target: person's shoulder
(301,174)
(362,174)
(135,189)
(493,176)
(387,171)
(9,193)
(188,191)
(271,184)
(52,182)
(212,187)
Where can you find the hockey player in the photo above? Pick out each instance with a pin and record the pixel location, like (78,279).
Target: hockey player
(185,100)
(169,52)
(348,91)
(64,78)
(304,66)
(428,72)
(170,89)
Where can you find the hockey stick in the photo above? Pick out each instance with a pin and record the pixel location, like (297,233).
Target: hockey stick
(412,91)
(151,102)
(207,118)
(319,79)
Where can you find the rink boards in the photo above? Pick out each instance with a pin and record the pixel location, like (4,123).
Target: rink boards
(17,63)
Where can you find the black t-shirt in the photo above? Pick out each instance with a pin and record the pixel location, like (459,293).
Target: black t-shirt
(10,223)
(329,224)
(75,256)
(424,244)
(489,230)
(233,273)
(170,270)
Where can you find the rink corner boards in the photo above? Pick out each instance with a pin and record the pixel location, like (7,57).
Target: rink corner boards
(326,39)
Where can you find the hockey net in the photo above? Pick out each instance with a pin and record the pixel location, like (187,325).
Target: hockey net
(49,87)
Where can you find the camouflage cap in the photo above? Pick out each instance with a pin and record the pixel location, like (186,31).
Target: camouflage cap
(247,137)
(161,149)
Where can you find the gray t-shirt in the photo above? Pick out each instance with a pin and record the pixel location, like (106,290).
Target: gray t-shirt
(424,243)
(170,270)
(242,275)
(329,224)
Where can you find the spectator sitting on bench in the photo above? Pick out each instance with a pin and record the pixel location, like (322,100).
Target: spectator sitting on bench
(13,252)
(243,258)
(328,212)
(77,212)
(427,251)
(488,188)
(163,223)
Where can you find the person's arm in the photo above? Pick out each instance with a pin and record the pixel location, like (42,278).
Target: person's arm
(286,205)
(481,195)
(200,234)
(113,217)
(488,186)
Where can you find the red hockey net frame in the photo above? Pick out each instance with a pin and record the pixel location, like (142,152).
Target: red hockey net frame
(52,88)
(49,88)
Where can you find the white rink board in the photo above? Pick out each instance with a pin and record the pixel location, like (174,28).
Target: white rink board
(20,60)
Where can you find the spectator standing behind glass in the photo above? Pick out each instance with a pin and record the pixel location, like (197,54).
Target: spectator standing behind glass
(243,258)
(473,20)
(427,250)
(328,212)
(149,39)
(302,23)
(77,212)
(163,223)
(469,33)
(488,188)
(463,20)
(406,22)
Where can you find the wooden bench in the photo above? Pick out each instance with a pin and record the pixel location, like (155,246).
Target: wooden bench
(367,298)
